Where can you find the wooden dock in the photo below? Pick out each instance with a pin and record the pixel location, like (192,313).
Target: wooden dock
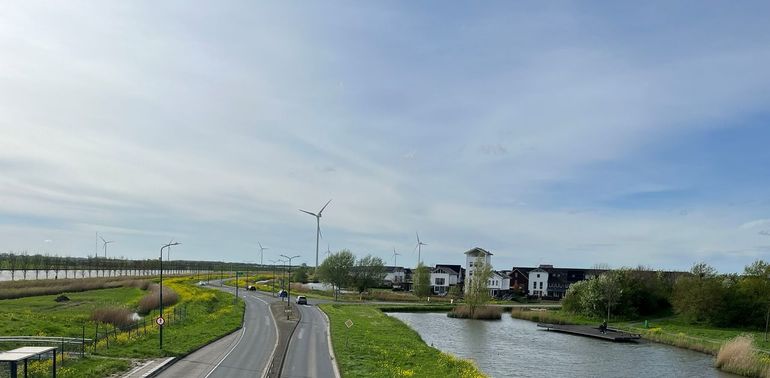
(589,331)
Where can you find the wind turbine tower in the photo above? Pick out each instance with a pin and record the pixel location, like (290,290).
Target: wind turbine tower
(105,245)
(261,253)
(419,248)
(318,228)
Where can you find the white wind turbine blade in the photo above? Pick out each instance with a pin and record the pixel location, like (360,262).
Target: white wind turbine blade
(322,209)
(307,212)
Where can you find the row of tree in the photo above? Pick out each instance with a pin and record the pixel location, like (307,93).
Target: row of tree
(699,296)
(705,296)
(342,270)
(26,266)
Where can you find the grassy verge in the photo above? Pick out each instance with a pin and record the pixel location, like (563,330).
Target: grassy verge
(382,346)
(209,314)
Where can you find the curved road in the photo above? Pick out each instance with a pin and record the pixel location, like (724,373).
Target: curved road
(308,354)
(244,353)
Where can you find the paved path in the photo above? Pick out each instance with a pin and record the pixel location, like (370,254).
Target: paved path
(244,353)
(308,354)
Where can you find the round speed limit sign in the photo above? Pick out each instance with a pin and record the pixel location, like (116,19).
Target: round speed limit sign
(160,321)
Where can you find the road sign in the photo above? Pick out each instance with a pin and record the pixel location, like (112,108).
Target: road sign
(160,321)
(348,323)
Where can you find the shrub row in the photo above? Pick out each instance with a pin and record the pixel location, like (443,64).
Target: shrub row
(151,301)
(22,289)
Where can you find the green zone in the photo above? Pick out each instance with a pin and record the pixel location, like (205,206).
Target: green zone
(209,314)
(377,345)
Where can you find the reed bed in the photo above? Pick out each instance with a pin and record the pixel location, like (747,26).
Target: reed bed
(481,313)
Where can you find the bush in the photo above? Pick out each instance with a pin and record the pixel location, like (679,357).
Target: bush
(151,301)
(117,316)
(482,312)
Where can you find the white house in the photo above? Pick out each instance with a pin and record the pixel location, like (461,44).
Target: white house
(496,283)
(394,276)
(443,277)
(538,282)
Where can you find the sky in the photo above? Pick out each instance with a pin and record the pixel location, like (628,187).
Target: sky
(563,133)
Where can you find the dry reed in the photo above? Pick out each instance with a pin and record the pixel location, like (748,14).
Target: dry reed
(482,312)
(117,316)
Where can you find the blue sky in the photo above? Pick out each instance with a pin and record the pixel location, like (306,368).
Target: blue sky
(568,133)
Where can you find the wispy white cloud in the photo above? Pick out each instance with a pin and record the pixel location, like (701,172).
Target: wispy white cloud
(217,123)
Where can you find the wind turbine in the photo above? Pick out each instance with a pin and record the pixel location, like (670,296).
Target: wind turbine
(318,228)
(394,257)
(419,248)
(261,253)
(105,245)
(328,250)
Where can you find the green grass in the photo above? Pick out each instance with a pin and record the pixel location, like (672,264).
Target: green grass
(42,316)
(381,346)
(670,330)
(673,330)
(210,314)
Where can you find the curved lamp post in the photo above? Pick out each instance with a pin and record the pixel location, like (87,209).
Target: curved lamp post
(288,299)
(160,293)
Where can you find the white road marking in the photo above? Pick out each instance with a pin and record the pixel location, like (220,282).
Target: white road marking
(228,353)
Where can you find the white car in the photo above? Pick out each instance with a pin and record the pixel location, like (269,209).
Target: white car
(301,300)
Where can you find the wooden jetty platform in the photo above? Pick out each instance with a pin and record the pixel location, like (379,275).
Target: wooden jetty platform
(589,331)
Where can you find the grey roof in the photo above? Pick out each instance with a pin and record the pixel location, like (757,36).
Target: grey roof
(476,250)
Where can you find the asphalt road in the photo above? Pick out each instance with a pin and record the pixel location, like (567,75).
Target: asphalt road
(244,353)
(308,354)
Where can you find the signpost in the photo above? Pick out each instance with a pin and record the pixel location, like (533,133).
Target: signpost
(348,324)
(160,321)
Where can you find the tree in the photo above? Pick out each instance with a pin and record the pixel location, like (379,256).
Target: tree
(421,281)
(477,293)
(336,270)
(755,286)
(368,272)
(455,292)
(611,289)
(300,275)
(700,296)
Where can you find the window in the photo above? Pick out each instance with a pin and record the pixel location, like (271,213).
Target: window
(440,281)
(538,275)
(541,285)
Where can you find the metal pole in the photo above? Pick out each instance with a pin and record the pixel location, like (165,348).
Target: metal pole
(317,234)
(161,297)
(160,294)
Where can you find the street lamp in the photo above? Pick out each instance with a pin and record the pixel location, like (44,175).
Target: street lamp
(160,293)
(274,262)
(289,293)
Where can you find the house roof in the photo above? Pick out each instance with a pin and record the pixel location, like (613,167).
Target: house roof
(477,251)
(456,269)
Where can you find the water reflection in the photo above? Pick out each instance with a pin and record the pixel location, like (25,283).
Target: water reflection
(516,348)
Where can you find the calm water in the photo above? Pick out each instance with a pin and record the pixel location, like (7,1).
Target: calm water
(516,348)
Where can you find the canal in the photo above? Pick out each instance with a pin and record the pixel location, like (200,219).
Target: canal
(517,348)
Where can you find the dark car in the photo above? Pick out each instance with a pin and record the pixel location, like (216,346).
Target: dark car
(251,288)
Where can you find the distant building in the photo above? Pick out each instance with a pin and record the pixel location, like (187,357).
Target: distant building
(547,281)
(443,277)
(498,283)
